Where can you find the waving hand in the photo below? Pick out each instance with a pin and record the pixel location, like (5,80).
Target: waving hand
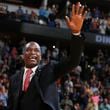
(76,19)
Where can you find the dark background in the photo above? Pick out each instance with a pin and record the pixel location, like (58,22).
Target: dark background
(103,4)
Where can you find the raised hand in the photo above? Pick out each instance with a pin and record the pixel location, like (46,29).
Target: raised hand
(76,19)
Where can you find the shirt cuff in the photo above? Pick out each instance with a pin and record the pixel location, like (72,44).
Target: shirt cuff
(76,34)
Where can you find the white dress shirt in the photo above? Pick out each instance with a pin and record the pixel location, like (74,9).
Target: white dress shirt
(31,76)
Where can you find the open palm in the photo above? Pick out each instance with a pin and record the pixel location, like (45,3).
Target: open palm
(76,19)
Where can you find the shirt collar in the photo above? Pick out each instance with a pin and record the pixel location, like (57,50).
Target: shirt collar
(33,69)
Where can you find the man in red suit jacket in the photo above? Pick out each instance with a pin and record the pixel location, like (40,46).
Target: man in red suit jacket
(41,94)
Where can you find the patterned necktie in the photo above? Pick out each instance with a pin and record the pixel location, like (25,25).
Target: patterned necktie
(27,79)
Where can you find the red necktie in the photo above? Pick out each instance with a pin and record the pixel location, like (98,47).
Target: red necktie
(27,79)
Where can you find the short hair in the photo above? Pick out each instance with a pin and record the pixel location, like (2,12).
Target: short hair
(32,43)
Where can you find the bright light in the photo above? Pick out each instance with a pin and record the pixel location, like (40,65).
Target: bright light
(53,46)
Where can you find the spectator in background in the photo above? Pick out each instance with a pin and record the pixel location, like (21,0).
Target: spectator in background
(51,20)
(96,99)
(19,13)
(68,3)
(94,27)
(88,15)
(43,49)
(33,17)
(3,97)
(22,44)
(108,26)
(66,103)
(68,85)
(77,71)
(26,17)
(105,105)
(43,14)
(102,27)
(90,105)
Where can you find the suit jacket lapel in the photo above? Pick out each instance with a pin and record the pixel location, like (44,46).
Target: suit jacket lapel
(19,84)
(36,79)
(17,88)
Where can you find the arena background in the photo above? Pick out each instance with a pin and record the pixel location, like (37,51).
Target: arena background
(16,30)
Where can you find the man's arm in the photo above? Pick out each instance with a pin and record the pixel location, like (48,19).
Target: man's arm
(74,23)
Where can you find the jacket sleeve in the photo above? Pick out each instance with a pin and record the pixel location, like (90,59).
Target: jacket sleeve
(76,47)
(54,71)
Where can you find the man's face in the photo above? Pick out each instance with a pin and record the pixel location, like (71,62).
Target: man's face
(32,54)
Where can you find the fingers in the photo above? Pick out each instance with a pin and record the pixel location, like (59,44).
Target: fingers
(73,10)
(78,7)
(81,10)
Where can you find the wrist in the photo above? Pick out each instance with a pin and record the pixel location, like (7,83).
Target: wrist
(76,33)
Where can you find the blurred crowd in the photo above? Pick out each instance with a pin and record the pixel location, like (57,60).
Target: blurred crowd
(86,87)
(96,21)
